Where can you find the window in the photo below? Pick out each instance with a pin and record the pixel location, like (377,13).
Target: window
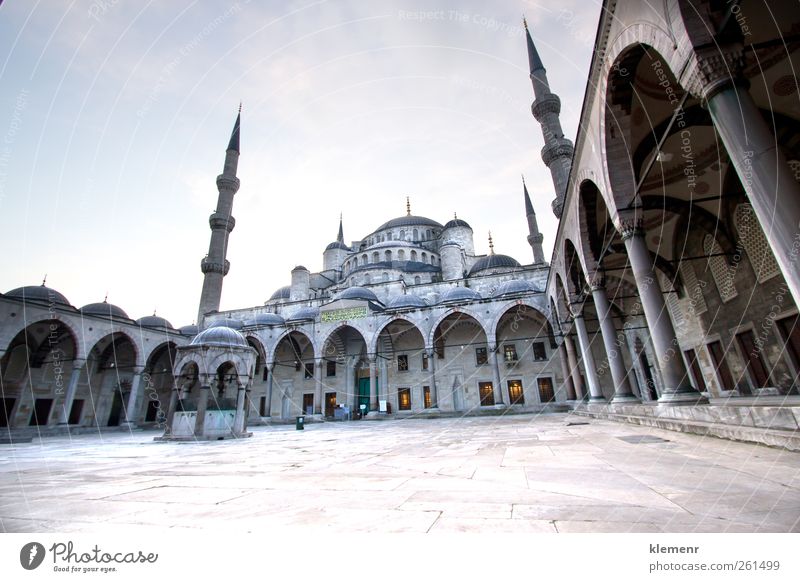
(694,366)
(755,243)
(424,360)
(266,373)
(331,368)
(426,396)
(416,234)
(510,352)
(539,352)
(402,363)
(402,235)
(515,393)
(298,365)
(546,393)
(790,331)
(417,280)
(480,356)
(375,257)
(404,399)
(364,259)
(401,255)
(413,255)
(486,391)
(721,366)
(754,363)
(722,273)
(424,257)
(308,404)
(262,406)
(388,256)
(309,366)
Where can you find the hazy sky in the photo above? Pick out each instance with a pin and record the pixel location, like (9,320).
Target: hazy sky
(115,115)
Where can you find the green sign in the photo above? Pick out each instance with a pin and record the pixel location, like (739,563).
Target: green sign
(343,314)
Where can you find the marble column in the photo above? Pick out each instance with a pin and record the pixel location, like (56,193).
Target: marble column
(173,406)
(622,387)
(239,419)
(498,391)
(72,388)
(319,406)
(373,393)
(677,387)
(595,393)
(202,405)
(133,398)
(574,370)
(570,388)
(432,369)
(270,383)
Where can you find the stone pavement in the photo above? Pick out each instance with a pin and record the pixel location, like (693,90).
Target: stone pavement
(545,473)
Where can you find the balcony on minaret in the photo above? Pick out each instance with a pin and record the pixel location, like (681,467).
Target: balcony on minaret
(219,220)
(210,266)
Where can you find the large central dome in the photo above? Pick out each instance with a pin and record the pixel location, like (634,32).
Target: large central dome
(409,220)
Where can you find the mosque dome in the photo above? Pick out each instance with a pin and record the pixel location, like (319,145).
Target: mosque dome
(494,262)
(516,286)
(38,293)
(220,336)
(337,245)
(267,319)
(457,222)
(409,220)
(105,309)
(459,294)
(281,293)
(408,301)
(304,314)
(188,330)
(154,321)
(227,322)
(357,293)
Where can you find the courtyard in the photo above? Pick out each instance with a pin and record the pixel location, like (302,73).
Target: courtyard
(556,473)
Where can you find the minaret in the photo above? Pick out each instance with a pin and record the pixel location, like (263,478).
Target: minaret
(557,150)
(535,238)
(214,265)
(340,236)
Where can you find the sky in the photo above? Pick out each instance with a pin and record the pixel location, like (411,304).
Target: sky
(115,116)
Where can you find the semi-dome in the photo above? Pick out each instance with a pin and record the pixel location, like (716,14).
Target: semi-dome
(188,329)
(304,314)
(220,336)
(105,309)
(267,319)
(38,293)
(227,322)
(357,293)
(281,293)
(154,321)
(516,286)
(337,245)
(494,262)
(406,302)
(459,294)
(457,222)
(409,220)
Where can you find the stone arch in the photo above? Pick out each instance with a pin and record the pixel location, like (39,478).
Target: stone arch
(438,321)
(534,311)
(261,353)
(332,333)
(574,267)
(79,347)
(372,345)
(592,207)
(284,334)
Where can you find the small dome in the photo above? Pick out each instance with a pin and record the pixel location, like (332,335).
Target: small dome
(449,243)
(456,222)
(299,268)
(459,294)
(406,302)
(282,293)
(494,262)
(516,286)
(154,321)
(337,245)
(227,322)
(304,314)
(267,319)
(220,336)
(188,330)
(105,309)
(409,221)
(38,293)
(357,293)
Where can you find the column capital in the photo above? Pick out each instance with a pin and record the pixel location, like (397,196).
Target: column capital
(629,224)
(77,363)
(597,280)
(714,68)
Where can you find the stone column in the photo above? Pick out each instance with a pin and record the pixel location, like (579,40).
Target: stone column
(677,387)
(373,393)
(319,407)
(494,348)
(756,155)
(432,369)
(622,387)
(202,405)
(574,370)
(595,393)
(173,405)
(72,388)
(133,397)
(570,388)
(270,382)
(239,419)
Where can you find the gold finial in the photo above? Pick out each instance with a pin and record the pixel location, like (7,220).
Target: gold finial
(105,299)
(523,179)
(44,281)
(240,106)
(154,311)
(491,244)
(408,206)
(455,216)
(524,22)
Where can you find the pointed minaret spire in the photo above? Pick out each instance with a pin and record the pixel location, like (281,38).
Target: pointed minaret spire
(535,238)
(340,236)
(491,244)
(557,150)
(215,266)
(408,206)
(44,281)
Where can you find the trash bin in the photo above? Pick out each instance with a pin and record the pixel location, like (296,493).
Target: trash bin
(298,425)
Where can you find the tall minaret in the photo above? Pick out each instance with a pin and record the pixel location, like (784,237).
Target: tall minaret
(535,238)
(214,265)
(557,150)
(340,236)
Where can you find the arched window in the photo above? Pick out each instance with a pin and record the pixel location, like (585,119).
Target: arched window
(429,234)
(367,279)
(424,257)
(720,270)
(388,255)
(755,243)
(364,259)
(402,235)
(375,257)
(417,280)
(413,255)
(386,276)
(401,255)
(388,236)
(416,234)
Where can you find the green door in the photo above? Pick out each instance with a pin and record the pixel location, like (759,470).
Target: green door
(363,392)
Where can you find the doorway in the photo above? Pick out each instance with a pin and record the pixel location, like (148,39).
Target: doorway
(6,407)
(116,410)
(308,404)
(486,390)
(330,403)
(41,412)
